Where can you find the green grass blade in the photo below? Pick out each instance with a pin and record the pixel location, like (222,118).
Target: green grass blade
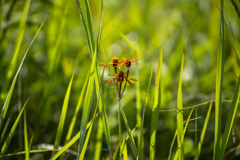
(170,150)
(13,63)
(140,144)
(203,132)
(25,136)
(218,94)
(124,149)
(70,143)
(24,152)
(74,118)
(97,153)
(9,95)
(127,40)
(233,39)
(230,118)
(63,115)
(85,14)
(86,140)
(156,108)
(101,106)
(180,112)
(9,138)
(132,142)
(88,134)
(182,138)
(87,106)
(6,126)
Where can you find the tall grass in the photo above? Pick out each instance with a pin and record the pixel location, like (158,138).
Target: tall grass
(145,123)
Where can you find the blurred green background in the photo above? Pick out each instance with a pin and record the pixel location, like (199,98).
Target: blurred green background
(149,25)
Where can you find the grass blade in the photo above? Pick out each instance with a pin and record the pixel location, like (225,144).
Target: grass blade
(218,94)
(97,153)
(85,14)
(140,145)
(9,138)
(9,95)
(86,140)
(13,63)
(25,136)
(180,112)
(86,107)
(101,106)
(156,108)
(182,138)
(80,101)
(170,150)
(127,40)
(71,142)
(233,39)
(124,149)
(230,119)
(63,115)
(203,132)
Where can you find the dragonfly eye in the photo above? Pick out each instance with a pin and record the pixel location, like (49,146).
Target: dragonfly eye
(115,62)
(128,64)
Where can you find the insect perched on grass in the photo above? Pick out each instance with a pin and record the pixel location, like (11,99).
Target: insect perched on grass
(120,76)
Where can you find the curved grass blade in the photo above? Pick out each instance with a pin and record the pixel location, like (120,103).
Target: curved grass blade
(9,138)
(141,145)
(230,119)
(182,138)
(9,95)
(218,94)
(63,115)
(71,142)
(13,63)
(180,113)
(25,135)
(156,108)
(203,131)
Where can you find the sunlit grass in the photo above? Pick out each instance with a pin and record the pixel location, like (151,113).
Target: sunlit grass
(140,118)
